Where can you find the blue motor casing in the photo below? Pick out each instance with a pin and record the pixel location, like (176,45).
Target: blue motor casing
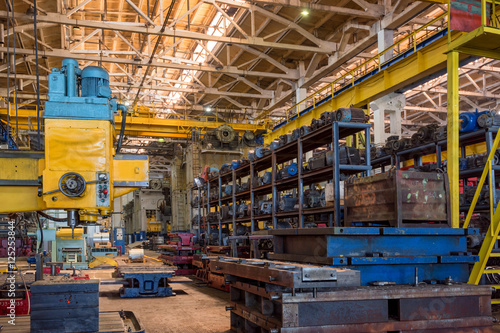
(261,151)
(275,144)
(251,155)
(91,99)
(293,169)
(235,164)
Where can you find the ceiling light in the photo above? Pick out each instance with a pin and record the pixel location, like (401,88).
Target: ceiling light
(137,58)
(76,27)
(208,108)
(219,67)
(161,140)
(126,103)
(305,12)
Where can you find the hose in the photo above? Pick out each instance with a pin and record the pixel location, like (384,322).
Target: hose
(41,234)
(123,108)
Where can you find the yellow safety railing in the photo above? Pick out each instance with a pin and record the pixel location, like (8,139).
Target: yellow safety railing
(349,78)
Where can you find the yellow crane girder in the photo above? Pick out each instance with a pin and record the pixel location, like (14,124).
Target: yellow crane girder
(141,125)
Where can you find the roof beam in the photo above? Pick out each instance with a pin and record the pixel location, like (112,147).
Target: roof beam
(374,12)
(58,53)
(327,47)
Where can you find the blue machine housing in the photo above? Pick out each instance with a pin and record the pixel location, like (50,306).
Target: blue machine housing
(468,121)
(382,254)
(79,94)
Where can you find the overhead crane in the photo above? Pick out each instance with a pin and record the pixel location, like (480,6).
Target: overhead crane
(143,125)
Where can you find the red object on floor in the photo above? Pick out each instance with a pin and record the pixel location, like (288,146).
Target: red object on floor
(46,270)
(86,277)
(21,306)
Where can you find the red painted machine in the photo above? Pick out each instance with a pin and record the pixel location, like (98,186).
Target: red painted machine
(179,252)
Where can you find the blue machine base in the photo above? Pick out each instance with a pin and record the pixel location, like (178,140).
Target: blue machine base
(136,292)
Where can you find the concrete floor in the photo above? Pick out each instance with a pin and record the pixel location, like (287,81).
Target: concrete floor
(196,308)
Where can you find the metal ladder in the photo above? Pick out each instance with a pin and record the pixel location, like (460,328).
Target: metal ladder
(492,236)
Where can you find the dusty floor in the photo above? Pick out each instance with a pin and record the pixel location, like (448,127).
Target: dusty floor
(194,309)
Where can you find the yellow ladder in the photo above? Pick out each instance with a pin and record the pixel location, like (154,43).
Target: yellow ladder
(494,229)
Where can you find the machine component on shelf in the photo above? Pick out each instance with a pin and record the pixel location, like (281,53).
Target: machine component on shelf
(327,117)
(287,171)
(424,134)
(488,119)
(296,134)
(214,173)
(235,164)
(224,212)
(248,138)
(222,137)
(389,144)
(317,123)
(214,193)
(266,178)
(225,168)
(398,198)
(275,144)
(251,155)
(214,237)
(235,207)
(316,199)
(212,217)
(228,190)
(78,299)
(262,151)
(347,155)
(381,254)
(241,230)
(244,161)
(284,139)
(440,133)
(245,186)
(351,115)
(484,196)
(468,121)
(317,162)
(401,144)
(243,211)
(195,202)
(287,203)
(264,207)
(146,281)
(304,130)
(179,252)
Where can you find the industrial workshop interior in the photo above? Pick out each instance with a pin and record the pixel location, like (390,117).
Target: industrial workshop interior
(260,166)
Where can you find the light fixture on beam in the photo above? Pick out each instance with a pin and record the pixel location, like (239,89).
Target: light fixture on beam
(208,108)
(219,67)
(304,12)
(30,11)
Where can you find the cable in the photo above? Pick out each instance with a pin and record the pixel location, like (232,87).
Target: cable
(148,67)
(8,70)
(41,233)
(122,129)
(25,288)
(15,75)
(37,79)
(55,219)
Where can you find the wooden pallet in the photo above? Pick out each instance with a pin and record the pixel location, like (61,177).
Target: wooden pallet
(142,260)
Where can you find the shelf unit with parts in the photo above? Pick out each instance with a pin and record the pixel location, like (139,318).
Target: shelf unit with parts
(467,141)
(295,151)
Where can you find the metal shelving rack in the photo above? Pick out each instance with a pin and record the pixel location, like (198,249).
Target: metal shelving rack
(198,193)
(331,135)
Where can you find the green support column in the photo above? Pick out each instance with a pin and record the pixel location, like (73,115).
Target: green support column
(453,150)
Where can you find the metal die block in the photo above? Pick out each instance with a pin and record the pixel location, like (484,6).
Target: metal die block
(312,274)
(434,308)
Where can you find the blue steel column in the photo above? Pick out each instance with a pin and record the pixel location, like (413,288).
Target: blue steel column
(336,173)
(252,197)
(234,245)
(368,150)
(301,182)
(453,136)
(220,210)
(208,211)
(199,212)
(191,211)
(275,192)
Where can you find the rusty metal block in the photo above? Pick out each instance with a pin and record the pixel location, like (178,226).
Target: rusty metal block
(400,199)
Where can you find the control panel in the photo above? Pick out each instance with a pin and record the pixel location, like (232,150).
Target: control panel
(102,189)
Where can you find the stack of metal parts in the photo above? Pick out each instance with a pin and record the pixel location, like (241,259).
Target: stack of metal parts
(65,306)
(381,254)
(263,207)
(466,197)
(213,279)
(179,252)
(146,281)
(282,297)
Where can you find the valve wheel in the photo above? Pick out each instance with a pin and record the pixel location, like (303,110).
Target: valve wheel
(72,184)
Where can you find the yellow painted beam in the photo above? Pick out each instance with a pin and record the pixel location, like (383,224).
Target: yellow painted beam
(453,150)
(145,126)
(423,63)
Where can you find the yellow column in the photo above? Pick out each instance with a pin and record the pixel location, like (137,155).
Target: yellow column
(453,151)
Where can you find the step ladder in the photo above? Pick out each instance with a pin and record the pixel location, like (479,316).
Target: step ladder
(492,236)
